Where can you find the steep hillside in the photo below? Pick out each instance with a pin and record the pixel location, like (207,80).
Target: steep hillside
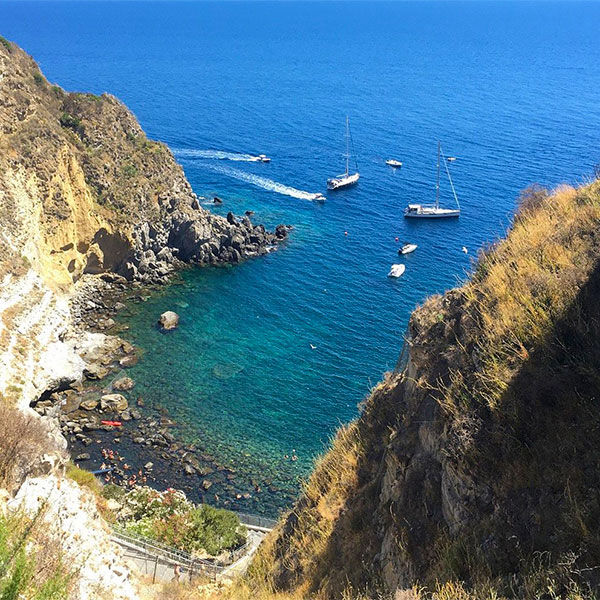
(83,190)
(479,460)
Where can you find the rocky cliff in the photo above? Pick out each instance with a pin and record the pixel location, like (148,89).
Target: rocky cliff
(84,195)
(83,190)
(477,461)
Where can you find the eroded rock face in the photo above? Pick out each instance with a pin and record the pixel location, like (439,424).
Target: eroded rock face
(169,320)
(83,190)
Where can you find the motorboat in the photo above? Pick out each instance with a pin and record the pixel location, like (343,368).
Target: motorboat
(407,248)
(396,270)
(318,198)
(393,163)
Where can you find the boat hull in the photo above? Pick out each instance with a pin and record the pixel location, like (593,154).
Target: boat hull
(453,214)
(336,183)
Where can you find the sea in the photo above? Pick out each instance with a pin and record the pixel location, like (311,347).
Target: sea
(271,356)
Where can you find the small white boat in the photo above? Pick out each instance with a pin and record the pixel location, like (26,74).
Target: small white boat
(435,211)
(407,249)
(264,158)
(345,179)
(451,158)
(393,163)
(396,270)
(318,198)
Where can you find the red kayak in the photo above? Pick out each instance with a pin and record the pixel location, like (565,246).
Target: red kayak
(112,423)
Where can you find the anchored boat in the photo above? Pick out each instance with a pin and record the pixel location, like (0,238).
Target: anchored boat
(345,179)
(393,163)
(435,211)
(407,248)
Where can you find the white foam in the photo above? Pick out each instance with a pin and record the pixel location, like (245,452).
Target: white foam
(262,182)
(214,155)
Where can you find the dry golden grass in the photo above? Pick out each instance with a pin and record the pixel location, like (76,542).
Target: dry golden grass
(524,285)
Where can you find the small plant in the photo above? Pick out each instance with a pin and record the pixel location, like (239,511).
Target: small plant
(6,43)
(129,170)
(30,563)
(39,79)
(70,122)
(23,439)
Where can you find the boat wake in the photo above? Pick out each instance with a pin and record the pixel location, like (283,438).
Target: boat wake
(264,183)
(215,155)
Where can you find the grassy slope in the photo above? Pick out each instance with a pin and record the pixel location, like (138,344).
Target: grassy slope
(517,402)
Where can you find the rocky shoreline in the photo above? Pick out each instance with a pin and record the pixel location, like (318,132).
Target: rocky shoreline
(144,449)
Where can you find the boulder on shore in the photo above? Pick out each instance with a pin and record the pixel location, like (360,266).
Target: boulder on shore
(114,402)
(169,320)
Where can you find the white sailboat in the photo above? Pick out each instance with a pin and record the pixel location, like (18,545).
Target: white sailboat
(345,179)
(435,211)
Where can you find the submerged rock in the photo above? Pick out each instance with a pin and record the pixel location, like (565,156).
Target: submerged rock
(114,402)
(169,320)
(123,384)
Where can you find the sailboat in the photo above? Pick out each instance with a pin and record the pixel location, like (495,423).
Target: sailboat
(435,211)
(345,179)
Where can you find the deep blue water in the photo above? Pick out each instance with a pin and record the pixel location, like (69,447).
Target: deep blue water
(511,88)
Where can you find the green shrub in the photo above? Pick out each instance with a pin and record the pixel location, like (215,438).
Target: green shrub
(113,492)
(70,122)
(169,517)
(30,566)
(129,170)
(6,43)
(39,79)
(84,478)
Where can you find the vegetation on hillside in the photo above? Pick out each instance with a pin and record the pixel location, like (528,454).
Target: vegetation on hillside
(169,517)
(511,360)
(30,563)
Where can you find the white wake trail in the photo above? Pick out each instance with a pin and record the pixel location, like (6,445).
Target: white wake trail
(214,155)
(262,182)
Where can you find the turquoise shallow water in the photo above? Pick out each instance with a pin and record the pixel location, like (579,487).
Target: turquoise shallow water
(511,89)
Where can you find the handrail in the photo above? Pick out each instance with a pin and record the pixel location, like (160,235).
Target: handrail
(175,554)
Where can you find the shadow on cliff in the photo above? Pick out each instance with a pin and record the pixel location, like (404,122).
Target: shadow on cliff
(428,505)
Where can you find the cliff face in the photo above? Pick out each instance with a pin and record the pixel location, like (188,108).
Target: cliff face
(477,461)
(83,190)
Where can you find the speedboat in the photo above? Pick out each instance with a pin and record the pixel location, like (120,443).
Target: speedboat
(396,270)
(407,248)
(435,211)
(264,158)
(393,163)
(318,198)
(346,179)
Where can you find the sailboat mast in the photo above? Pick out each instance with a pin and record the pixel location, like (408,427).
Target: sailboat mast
(437,186)
(347,145)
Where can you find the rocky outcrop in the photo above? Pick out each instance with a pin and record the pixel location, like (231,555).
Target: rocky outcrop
(82,190)
(71,520)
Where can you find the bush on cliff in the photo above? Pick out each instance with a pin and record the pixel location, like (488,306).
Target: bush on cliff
(169,517)
(22,441)
(30,564)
